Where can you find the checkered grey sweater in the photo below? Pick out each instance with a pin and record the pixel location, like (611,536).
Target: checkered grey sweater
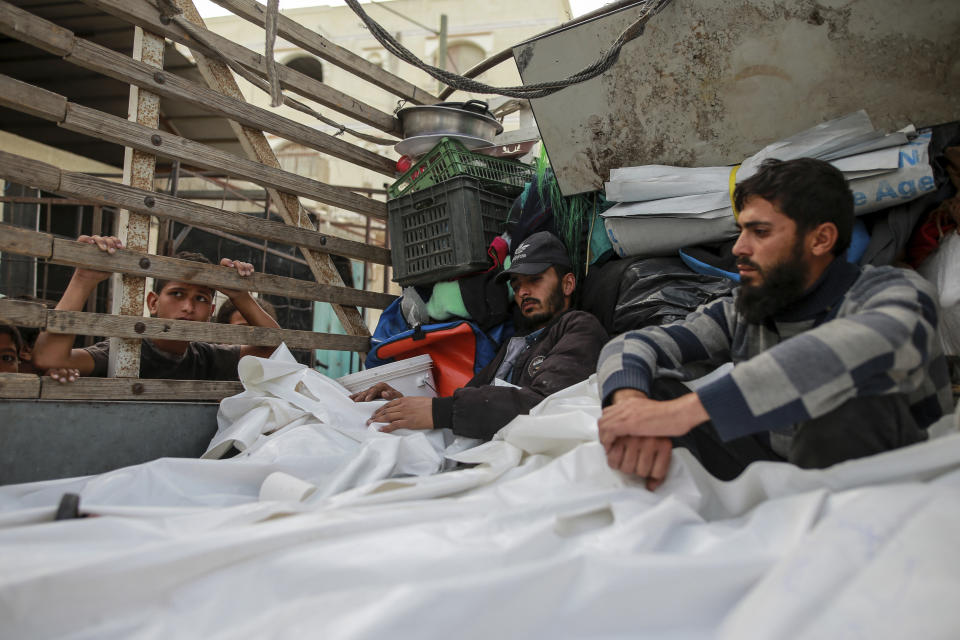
(855,333)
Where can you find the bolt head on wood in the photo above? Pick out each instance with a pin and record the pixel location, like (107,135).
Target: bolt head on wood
(137,388)
(149,201)
(139,327)
(156,140)
(144,263)
(158,78)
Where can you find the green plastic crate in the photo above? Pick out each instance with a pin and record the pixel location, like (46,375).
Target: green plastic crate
(450,159)
(443,231)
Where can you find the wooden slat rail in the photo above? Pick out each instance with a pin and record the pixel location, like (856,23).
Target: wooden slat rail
(31,387)
(29,314)
(142,389)
(316,44)
(219,78)
(24,97)
(116,65)
(78,254)
(37,174)
(106,127)
(35,101)
(17,23)
(143,14)
(23,314)
(25,242)
(19,385)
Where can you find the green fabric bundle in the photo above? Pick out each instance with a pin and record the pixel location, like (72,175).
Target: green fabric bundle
(446,302)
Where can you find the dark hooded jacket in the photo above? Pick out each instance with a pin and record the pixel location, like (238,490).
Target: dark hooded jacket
(563,354)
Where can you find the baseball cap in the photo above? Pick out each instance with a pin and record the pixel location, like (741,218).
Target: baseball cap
(537,253)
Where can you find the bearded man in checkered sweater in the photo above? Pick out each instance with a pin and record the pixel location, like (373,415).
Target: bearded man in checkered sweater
(831,361)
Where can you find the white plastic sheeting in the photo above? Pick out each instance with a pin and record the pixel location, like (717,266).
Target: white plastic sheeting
(941,269)
(539,539)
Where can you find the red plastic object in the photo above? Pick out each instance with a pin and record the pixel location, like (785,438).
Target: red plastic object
(404,164)
(453,351)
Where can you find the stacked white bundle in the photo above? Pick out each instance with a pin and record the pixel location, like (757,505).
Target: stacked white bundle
(662,208)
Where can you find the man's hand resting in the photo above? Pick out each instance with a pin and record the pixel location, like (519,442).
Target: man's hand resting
(635,431)
(641,456)
(244,269)
(63,375)
(409,412)
(636,415)
(107,244)
(379,391)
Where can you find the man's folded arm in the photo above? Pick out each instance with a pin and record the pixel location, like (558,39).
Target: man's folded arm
(480,412)
(882,348)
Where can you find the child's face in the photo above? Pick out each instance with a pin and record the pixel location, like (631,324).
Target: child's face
(182,301)
(9,358)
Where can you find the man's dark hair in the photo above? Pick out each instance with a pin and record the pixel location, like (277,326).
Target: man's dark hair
(562,270)
(809,192)
(227,309)
(10,330)
(193,256)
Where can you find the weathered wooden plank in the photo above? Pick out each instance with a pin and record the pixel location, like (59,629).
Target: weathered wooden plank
(23,314)
(19,385)
(80,185)
(106,127)
(86,189)
(255,145)
(31,314)
(30,99)
(116,65)
(313,42)
(103,324)
(26,171)
(143,389)
(25,242)
(142,13)
(22,25)
(79,254)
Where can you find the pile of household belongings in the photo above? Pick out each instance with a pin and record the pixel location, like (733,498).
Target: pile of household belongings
(324,527)
(461,322)
(905,198)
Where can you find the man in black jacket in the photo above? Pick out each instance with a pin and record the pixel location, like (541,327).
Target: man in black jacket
(559,349)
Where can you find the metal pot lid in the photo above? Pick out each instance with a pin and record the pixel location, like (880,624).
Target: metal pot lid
(445,107)
(474,106)
(416,146)
(478,107)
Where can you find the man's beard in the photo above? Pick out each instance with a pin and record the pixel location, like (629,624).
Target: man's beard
(782,285)
(553,306)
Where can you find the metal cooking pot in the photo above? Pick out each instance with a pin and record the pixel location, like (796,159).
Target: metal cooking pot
(471,118)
